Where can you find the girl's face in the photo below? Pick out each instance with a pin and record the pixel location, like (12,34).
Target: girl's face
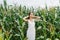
(31,15)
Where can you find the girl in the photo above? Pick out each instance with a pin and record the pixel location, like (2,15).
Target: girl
(31,25)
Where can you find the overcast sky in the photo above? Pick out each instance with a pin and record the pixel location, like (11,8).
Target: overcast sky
(34,3)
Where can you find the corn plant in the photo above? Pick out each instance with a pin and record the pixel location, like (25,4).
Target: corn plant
(12,26)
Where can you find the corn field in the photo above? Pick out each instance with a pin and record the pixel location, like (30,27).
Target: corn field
(12,26)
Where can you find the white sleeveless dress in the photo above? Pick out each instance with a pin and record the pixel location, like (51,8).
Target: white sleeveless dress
(31,30)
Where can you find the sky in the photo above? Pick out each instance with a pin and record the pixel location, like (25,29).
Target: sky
(34,3)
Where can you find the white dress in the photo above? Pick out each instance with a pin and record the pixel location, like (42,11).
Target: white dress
(31,30)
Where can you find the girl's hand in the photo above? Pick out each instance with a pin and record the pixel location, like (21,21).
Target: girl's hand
(25,18)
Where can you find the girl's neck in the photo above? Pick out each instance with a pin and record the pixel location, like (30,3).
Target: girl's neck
(30,19)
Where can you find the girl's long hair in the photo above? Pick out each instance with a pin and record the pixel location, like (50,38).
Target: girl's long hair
(29,15)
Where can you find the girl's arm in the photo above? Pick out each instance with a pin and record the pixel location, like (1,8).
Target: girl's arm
(37,18)
(25,18)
